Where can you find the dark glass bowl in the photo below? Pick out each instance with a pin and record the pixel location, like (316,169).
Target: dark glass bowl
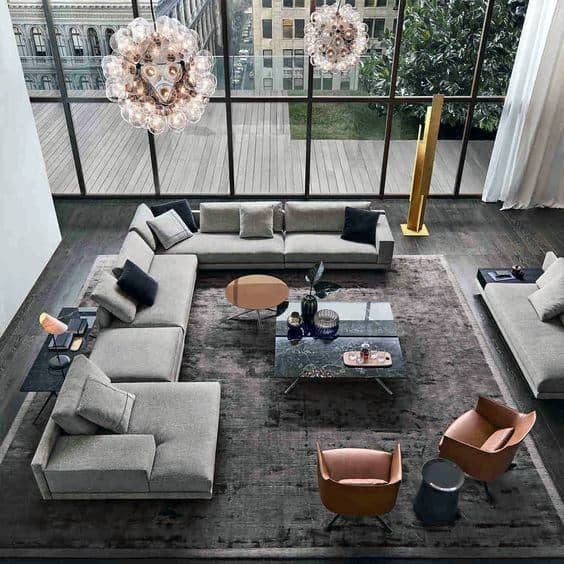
(326,324)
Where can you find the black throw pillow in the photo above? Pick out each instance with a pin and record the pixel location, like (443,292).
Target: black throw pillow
(182,208)
(360,225)
(137,284)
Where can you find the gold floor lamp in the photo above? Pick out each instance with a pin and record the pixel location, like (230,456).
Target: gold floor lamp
(423,170)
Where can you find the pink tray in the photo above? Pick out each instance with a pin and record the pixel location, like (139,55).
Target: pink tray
(354,359)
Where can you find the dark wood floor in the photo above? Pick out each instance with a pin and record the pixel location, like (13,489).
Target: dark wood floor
(468,232)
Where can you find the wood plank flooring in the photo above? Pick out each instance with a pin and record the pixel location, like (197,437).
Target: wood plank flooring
(115,156)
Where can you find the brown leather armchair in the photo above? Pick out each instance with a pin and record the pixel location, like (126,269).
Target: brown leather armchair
(484,440)
(359,482)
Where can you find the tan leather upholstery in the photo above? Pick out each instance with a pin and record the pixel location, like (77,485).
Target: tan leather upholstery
(357,481)
(484,440)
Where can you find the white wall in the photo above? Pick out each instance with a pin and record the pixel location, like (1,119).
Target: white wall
(29,232)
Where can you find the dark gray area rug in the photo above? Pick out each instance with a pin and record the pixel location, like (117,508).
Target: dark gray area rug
(266,499)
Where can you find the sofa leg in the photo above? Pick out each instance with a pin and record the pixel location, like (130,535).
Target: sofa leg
(489,495)
(332,522)
(387,527)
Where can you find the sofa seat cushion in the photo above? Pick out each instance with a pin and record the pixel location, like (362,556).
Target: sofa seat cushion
(229,248)
(536,344)
(327,247)
(139,354)
(498,439)
(362,482)
(101,464)
(183,417)
(176,276)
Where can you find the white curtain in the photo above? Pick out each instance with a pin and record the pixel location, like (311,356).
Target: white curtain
(526,167)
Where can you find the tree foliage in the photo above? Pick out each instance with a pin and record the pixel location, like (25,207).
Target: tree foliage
(438,54)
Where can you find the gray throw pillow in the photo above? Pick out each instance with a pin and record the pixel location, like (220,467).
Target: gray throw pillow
(65,410)
(553,272)
(169,229)
(106,406)
(548,301)
(256,220)
(110,296)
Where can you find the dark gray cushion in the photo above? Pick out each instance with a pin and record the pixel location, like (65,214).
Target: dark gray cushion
(182,208)
(137,284)
(360,225)
(256,220)
(170,229)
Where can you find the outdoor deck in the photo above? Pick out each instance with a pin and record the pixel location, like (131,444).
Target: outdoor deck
(115,156)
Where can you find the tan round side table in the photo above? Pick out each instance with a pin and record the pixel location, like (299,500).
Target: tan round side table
(255,293)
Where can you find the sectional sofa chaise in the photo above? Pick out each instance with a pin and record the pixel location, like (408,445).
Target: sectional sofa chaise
(169,448)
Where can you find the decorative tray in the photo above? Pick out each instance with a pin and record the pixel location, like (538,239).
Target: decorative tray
(376,359)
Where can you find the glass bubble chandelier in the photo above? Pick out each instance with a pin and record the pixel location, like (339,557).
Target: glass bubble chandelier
(158,75)
(335,37)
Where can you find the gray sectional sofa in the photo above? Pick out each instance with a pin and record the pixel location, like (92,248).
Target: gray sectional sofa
(538,346)
(169,448)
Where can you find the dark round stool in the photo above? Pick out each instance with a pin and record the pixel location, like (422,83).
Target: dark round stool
(436,502)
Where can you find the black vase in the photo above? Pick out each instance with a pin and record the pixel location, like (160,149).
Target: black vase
(309,307)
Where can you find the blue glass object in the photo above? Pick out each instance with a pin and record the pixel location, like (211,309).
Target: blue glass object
(326,324)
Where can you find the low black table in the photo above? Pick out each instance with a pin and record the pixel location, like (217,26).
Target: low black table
(530,276)
(311,358)
(436,502)
(42,378)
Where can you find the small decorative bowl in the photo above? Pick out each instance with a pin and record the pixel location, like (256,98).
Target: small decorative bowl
(517,271)
(294,320)
(326,324)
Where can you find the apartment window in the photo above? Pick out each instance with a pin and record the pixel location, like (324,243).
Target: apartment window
(327,82)
(317,83)
(76,40)
(38,42)
(267,3)
(319,3)
(94,42)
(287,29)
(61,45)
(299,83)
(299,58)
(109,33)
(379,25)
(287,81)
(351,2)
(381,3)
(287,57)
(394,25)
(299,28)
(19,41)
(345,82)
(47,83)
(369,3)
(288,3)
(267,83)
(267,58)
(299,3)
(267,29)
(370,25)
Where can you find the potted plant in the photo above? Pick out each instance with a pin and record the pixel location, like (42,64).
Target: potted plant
(317,289)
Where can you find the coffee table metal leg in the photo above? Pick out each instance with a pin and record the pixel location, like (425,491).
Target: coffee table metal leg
(259,319)
(387,390)
(51,394)
(291,386)
(240,314)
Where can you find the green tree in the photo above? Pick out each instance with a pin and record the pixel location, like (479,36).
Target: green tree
(438,53)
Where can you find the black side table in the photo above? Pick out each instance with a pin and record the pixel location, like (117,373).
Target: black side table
(530,276)
(436,502)
(40,377)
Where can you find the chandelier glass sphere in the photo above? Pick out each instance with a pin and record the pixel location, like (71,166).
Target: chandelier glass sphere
(335,38)
(158,75)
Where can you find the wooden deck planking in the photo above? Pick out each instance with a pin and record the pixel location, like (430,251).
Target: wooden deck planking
(115,157)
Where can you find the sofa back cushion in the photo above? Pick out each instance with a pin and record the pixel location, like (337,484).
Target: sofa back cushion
(111,297)
(223,217)
(135,249)
(318,217)
(139,224)
(65,410)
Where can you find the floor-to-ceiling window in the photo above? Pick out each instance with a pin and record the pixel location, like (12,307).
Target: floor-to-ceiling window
(276,126)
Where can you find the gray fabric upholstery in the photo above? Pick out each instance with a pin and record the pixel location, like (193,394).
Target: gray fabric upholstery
(223,217)
(256,220)
(229,248)
(536,345)
(328,247)
(176,276)
(101,463)
(548,300)
(49,438)
(111,297)
(136,250)
(139,224)
(103,318)
(318,217)
(64,412)
(553,272)
(169,229)
(151,354)
(105,405)
(185,432)
(384,241)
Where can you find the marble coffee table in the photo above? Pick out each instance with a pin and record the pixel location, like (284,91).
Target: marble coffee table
(315,359)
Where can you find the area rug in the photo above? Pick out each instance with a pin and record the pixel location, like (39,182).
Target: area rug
(266,501)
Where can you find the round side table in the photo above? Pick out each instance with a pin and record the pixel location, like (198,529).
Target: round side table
(436,502)
(255,293)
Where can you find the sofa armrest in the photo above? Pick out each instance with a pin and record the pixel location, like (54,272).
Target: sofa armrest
(384,241)
(548,260)
(47,443)
(196,214)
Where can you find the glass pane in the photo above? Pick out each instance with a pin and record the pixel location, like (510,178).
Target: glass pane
(439,47)
(55,146)
(194,161)
(269,141)
(407,119)
(347,145)
(480,145)
(115,156)
(34,47)
(503,38)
